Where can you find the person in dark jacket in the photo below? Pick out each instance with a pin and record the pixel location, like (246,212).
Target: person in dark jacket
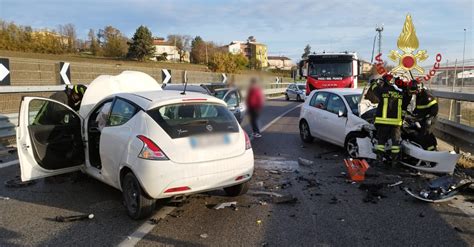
(255,101)
(426,111)
(388,117)
(53,114)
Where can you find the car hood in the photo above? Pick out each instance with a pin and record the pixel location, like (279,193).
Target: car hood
(106,85)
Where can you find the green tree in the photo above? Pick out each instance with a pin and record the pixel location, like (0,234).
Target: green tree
(113,42)
(141,46)
(227,62)
(307,51)
(198,50)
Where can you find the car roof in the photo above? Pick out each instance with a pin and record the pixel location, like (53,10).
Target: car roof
(342,91)
(180,87)
(152,99)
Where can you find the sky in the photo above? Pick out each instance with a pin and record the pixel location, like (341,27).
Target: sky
(284,26)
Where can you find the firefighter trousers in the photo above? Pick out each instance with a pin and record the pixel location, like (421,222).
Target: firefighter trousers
(386,132)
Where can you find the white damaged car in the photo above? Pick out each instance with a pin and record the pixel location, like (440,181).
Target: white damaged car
(153,144)
(343,117)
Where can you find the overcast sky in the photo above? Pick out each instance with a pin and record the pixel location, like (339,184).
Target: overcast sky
(285,26)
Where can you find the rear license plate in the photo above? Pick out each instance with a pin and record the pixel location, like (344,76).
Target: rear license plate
(209,141)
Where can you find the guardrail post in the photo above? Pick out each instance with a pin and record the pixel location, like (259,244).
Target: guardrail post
(458,115)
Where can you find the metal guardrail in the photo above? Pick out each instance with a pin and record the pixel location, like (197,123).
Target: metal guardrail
(9,121)
(453,132)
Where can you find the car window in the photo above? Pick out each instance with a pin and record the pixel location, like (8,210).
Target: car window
(183,120)
(301,87)
(122,111)
(43,112)
(319,100)
(336,104)
(220,94)
(231,99)
(353,101)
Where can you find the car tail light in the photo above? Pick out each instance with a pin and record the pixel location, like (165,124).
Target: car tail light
(248,145)
(150,150)
(177,189)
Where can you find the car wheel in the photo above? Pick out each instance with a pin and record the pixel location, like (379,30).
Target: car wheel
(298,98)
(305,134)
(286,97)
(351,146)
(237,190)
(138,204)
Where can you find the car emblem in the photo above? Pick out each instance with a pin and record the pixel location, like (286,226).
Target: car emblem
(209,127)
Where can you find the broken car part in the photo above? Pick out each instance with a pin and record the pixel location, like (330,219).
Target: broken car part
(440,190)
(74,218)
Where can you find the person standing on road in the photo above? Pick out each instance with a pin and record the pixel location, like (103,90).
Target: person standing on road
(254,101)
(388,118)
(426,111)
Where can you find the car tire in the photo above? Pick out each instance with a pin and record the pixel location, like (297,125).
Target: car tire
(287,97)
(305,133)
(298,98)
(350,145)
(237,190)
(138,204)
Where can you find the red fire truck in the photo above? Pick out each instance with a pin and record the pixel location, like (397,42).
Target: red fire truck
(330,70)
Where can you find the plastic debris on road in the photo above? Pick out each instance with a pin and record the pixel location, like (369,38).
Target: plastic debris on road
(305,162)
(395,184)
(225,205)
(74,218)
(356,169)
(441,189)
(204,235)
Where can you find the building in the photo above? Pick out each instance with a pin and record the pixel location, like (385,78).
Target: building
(280,62)
(366,67)
(165,51)
(253,50)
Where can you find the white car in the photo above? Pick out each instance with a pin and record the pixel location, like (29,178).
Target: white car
(332,115)
(155,144)
(296,91)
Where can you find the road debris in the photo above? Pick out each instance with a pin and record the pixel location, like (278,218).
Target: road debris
(225,205)
(373,194)
(74,218)
(395,184)
(305,162)
(259,184)
(259,222)
(356,168)
(441,189)
(204,235)
(286,199)
(268,193)
(155,221)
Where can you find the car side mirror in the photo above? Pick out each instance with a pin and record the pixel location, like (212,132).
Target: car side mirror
(341,114)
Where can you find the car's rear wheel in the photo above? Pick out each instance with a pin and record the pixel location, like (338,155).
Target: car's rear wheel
(237,190)
(287,97)
(305,134)
(138,204)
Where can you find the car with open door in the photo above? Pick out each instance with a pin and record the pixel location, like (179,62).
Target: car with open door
(154,144)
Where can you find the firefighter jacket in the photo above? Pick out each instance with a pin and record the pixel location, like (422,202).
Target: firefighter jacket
(426,105)
(389,109)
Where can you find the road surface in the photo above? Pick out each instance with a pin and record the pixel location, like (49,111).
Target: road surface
(329,210)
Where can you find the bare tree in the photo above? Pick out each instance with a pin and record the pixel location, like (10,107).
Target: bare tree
(182,43)
(69,36)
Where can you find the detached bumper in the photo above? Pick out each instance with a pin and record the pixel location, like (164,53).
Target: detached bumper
(158,176)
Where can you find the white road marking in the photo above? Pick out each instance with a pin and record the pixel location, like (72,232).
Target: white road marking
(145,228)
(278,118)
(9,163)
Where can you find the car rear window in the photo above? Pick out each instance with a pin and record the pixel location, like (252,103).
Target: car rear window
(188,119)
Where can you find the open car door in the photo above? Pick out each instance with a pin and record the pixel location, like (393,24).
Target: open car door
(49,138)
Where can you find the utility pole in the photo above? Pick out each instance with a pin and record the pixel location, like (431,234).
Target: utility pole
(463,53)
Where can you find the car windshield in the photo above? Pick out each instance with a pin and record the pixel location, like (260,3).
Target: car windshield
(220,93)
(183,120)
(341,69)
(353,101)
(301,87)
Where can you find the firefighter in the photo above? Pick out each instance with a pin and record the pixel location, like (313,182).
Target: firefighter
(426,111)
(388,117)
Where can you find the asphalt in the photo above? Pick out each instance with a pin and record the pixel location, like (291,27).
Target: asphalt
(330,210)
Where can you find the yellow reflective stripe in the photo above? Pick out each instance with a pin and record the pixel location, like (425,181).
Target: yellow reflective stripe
(373,86)
(399,114)
(427,105)
(385,106)
(395,151)
(389,121)
(430,148)
(380,147)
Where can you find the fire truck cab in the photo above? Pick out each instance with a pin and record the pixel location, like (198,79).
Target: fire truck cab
(330,70)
